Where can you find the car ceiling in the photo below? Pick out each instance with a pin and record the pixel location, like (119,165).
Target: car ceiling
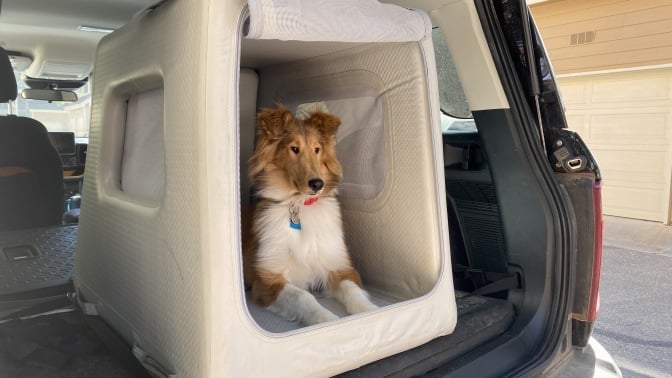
(46,31)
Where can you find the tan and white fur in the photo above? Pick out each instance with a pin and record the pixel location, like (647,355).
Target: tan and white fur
(296,173)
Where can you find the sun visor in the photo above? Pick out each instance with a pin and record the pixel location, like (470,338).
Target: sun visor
(363,21)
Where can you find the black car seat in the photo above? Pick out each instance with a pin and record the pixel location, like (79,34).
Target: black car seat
(31,173)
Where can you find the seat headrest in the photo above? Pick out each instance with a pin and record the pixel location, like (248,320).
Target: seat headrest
(7,79)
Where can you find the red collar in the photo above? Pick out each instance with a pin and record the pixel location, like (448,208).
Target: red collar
(310,201)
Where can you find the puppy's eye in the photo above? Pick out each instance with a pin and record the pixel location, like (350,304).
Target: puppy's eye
(295,149)
(317,150)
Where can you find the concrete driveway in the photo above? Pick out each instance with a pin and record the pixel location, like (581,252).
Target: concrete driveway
(634,323)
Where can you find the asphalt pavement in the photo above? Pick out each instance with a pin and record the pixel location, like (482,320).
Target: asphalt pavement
(635,317)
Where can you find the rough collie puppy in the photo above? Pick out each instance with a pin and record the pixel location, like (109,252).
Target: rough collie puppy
(296,243)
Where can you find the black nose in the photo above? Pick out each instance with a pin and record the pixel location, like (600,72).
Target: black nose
(315,184)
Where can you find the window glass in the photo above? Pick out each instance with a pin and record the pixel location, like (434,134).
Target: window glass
(56,116)
(456,117)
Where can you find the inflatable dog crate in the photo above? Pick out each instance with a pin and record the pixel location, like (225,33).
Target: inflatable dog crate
(174,100)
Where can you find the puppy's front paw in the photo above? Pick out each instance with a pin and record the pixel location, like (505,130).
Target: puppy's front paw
(318,316)
(362,305)
(354,298)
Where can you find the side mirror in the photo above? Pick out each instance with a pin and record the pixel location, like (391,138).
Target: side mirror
(49,95)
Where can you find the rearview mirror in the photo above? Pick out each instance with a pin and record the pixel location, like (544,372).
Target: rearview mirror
(49,95)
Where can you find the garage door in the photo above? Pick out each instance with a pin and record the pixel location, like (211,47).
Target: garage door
(626,119)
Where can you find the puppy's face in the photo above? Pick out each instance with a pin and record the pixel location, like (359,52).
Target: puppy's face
(293,156)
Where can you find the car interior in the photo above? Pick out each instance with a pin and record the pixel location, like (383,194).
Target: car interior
(121,243)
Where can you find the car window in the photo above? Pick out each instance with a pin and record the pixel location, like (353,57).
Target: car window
(55,116)
(456,116)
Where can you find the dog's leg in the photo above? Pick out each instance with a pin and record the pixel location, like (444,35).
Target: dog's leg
(296,304)
(346,286)
(291,302)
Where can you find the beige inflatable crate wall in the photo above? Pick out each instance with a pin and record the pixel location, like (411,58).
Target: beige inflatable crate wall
(165,270)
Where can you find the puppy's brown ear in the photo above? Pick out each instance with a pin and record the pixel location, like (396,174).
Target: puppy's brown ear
(325,122)
(271,123)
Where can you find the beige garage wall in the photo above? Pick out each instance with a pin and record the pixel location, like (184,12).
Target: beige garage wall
(626,119)
(621,33)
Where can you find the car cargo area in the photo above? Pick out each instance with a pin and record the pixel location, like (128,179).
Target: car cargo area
(65,345)
(69,343)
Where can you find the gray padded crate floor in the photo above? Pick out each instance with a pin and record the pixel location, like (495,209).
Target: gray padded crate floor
(276,324)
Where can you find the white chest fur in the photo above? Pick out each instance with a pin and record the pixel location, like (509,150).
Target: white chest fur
(306,256)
